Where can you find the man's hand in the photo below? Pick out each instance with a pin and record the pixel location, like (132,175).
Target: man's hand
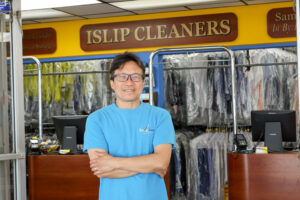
(102,163)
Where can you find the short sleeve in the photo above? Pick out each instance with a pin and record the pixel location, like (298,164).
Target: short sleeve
(164,131)
(93,136)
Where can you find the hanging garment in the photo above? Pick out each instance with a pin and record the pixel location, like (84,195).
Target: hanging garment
(208,93)
(197,90)
(103,91)
(67,94)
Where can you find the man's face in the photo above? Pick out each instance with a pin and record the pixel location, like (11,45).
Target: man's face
(128,91)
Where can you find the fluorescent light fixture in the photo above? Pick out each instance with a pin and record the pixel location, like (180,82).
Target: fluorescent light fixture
(149,4)
(44,4)
(43,14)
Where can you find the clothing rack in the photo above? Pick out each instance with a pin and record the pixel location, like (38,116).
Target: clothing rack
(39,74)
(188,63)
(227,66)
(232,65)
(69,73)
(39,70)
(167,68)
(73,96)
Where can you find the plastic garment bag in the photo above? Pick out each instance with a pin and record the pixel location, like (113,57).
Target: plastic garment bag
(67,94)
(68,89)
(175,82)
(103,91)
(209,165)
(28,96)
(197,90)
(243,108)
(208,96)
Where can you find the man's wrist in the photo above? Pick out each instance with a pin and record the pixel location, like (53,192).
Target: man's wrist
(115,162)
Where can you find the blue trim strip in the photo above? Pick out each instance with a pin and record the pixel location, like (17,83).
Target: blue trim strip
(235,48)
(263,46)
(78,58)
(144,55)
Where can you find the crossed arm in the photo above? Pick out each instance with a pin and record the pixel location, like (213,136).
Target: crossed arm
(104,165)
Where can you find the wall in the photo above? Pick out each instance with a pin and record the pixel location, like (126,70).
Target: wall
(252,29)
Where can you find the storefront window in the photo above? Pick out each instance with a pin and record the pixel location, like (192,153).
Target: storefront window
(7,166)
(5,111)
(6,180)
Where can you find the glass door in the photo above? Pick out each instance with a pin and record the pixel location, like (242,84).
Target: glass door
(12,134)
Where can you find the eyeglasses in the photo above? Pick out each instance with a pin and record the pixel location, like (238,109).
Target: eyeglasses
(124,77)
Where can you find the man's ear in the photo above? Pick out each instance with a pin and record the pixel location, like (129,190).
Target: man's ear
(112,84)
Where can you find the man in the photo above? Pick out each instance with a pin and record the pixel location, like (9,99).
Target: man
(129,143)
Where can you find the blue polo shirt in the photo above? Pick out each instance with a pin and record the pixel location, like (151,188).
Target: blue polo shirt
(129,133)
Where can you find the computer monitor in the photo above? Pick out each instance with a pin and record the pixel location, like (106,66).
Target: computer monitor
(70,130)
(273,127)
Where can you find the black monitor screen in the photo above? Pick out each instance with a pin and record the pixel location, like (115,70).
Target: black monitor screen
(287,119)
(70,120)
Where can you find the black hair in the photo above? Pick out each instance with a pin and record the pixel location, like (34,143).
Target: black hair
(121,59)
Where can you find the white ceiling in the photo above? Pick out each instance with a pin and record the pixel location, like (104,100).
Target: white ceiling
(112,8)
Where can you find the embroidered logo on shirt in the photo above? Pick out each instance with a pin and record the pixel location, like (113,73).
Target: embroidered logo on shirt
(147,130)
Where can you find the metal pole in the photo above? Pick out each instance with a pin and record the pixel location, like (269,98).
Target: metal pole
(197,49)
(227,66)
(66,73)
(39,70)
(18,98)
(5,169)
(39,74)
(298,53)
(12,156)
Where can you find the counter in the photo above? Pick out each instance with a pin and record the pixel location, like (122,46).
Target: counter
(64,177)
(264,176)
